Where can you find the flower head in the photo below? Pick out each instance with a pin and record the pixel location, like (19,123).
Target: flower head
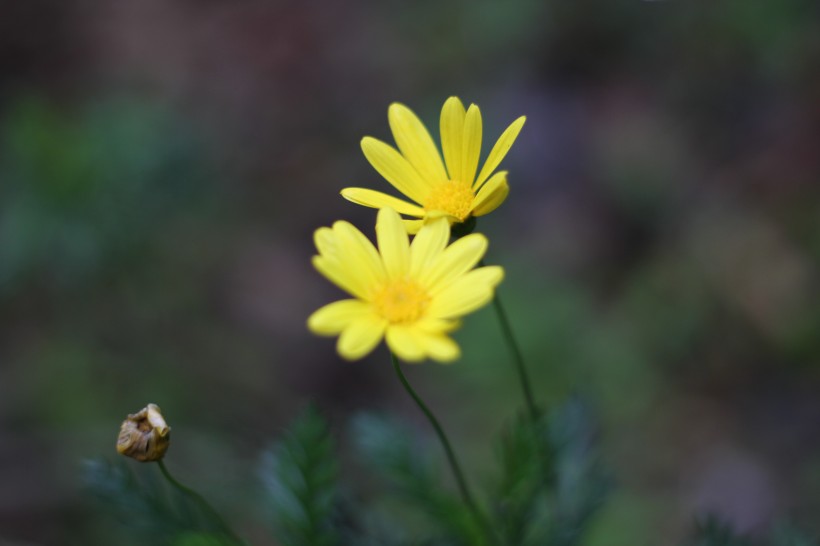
(144,435)
(410,294)
(448,188)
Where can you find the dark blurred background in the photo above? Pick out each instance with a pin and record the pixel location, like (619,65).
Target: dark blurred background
(164,164)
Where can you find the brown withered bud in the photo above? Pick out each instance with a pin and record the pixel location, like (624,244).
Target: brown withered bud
(144,435)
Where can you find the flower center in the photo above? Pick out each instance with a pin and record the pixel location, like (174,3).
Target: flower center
(453,197)
(401,301)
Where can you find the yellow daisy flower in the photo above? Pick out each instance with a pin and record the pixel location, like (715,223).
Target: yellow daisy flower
(410,294)
(417,171)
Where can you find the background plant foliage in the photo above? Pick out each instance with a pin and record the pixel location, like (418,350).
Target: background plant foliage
(549,483)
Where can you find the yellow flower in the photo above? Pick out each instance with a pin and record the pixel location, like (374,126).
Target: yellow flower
(418,172)
(410,294)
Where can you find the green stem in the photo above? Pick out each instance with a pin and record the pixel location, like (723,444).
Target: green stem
(451,457)
(225,528)
(518,359)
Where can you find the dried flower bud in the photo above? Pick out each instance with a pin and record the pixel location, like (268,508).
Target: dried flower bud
(144,435)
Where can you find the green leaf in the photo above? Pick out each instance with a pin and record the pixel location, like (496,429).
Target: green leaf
(150,510)
(526,471)
(786,535)
(300,474)
(388,449)
(712,531)
(581,482)
(552,481)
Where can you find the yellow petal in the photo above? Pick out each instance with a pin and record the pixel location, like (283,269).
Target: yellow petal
(471,144)
(333,318)
(395,169)
(428,244)
(491,194)
(358,255)
(325,241)
(454,261)
(502,146)
(413,226)
(361,336)
(394,246)
(452,133)
(340,276)
(378,200)
(440,347)
(404,341)
(432,325)
(415,143)
(467,293)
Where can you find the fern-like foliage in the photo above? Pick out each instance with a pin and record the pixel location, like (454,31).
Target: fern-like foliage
(713,531)
(300,475)
(149,509)
(549,486)
(388,449)
(520,493)
(552,480)
(581,481)
(786,535)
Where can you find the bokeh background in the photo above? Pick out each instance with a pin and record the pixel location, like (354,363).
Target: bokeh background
(164,164)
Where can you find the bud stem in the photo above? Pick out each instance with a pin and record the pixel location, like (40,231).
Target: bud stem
(207,508)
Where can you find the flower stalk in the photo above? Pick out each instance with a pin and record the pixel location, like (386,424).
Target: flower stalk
(448,450)
(518,359)
(203,504)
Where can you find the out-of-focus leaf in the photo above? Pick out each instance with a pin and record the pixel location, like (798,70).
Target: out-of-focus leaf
(786,535)
(150,511)
(526,470)
(580,483)
(300,474)
(388,450)
(712,531)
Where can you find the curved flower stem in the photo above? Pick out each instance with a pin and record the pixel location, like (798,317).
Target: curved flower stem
(506,331)
(517,358)
(207,508)
(451,457)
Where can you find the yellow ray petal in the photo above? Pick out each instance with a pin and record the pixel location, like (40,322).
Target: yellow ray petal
(471,144)
(338,275)
(502,146)
(378,200)
(437,326)
(333,318)
(491,194)
(413,226)
(325,241)
(358,255)
(395,169)
(403,341)
(394,246)
(361,336)
(428,244)
(440,347)
(454,261)
(451,126)
(415,143)
(467,293)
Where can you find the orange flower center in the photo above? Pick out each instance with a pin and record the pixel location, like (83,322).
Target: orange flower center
(401,301)
(453,197)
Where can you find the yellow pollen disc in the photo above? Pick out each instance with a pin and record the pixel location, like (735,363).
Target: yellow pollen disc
(453,197)
(401,301)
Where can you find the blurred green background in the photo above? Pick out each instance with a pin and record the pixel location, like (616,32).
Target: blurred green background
(164,164)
